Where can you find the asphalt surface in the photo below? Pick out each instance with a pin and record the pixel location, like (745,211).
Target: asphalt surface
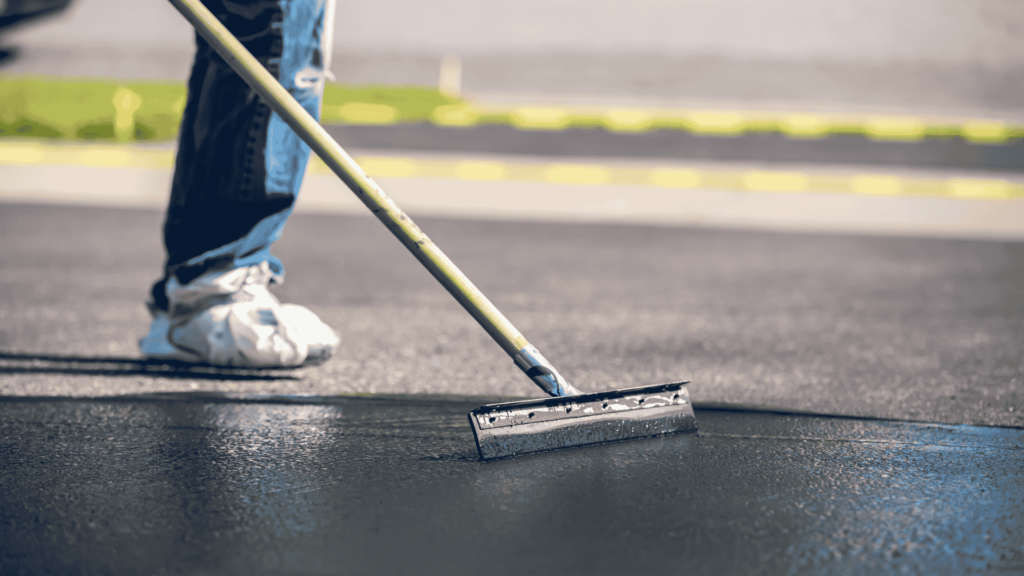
(112,464)
(908,328)
(192,484)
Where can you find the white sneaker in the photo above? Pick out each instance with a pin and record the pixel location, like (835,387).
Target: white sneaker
(230,318)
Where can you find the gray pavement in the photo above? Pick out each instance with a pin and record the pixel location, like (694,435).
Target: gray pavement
(194,484)
(906,328)
(935,154)
(112,464)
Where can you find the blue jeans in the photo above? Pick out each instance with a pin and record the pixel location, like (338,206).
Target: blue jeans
(239,167)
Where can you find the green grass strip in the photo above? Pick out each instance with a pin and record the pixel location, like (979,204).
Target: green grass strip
(87,109)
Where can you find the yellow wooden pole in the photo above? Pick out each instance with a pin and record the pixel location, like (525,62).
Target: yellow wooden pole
(313,134)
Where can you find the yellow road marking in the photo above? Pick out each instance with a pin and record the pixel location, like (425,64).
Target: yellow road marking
(716,122)
(109,157)
(455,115)
(676,177)
(386,167)
(895,128)
(363,113)
(23,153)
(805,125)
(971,188)
(27,154)
(536,118)
(627,120)
(156,108)
(480,170)
(775,181)
(793,124)
(877,185)
(577,174)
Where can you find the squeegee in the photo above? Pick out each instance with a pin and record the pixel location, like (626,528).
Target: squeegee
(568,418)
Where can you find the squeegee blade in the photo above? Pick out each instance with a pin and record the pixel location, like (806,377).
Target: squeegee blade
(527,426)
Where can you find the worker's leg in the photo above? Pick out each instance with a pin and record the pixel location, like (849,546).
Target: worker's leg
(237,173)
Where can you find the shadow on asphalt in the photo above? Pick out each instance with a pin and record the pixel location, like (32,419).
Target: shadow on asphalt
(22,363)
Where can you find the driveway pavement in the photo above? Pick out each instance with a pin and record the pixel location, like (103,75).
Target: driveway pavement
(859,387)
(920,329)
(195,484)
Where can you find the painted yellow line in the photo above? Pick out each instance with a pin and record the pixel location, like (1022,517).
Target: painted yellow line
(778,181)
(29,152)
(696,121)
(362,113)
(14,153)
(715,122)
(153,111)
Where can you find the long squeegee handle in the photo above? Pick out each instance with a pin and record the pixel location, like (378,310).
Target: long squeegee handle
(313,134)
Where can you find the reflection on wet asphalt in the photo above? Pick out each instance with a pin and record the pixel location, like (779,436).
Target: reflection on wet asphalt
(392,485)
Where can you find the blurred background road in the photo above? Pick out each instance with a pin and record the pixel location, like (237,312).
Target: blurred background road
(937,55)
